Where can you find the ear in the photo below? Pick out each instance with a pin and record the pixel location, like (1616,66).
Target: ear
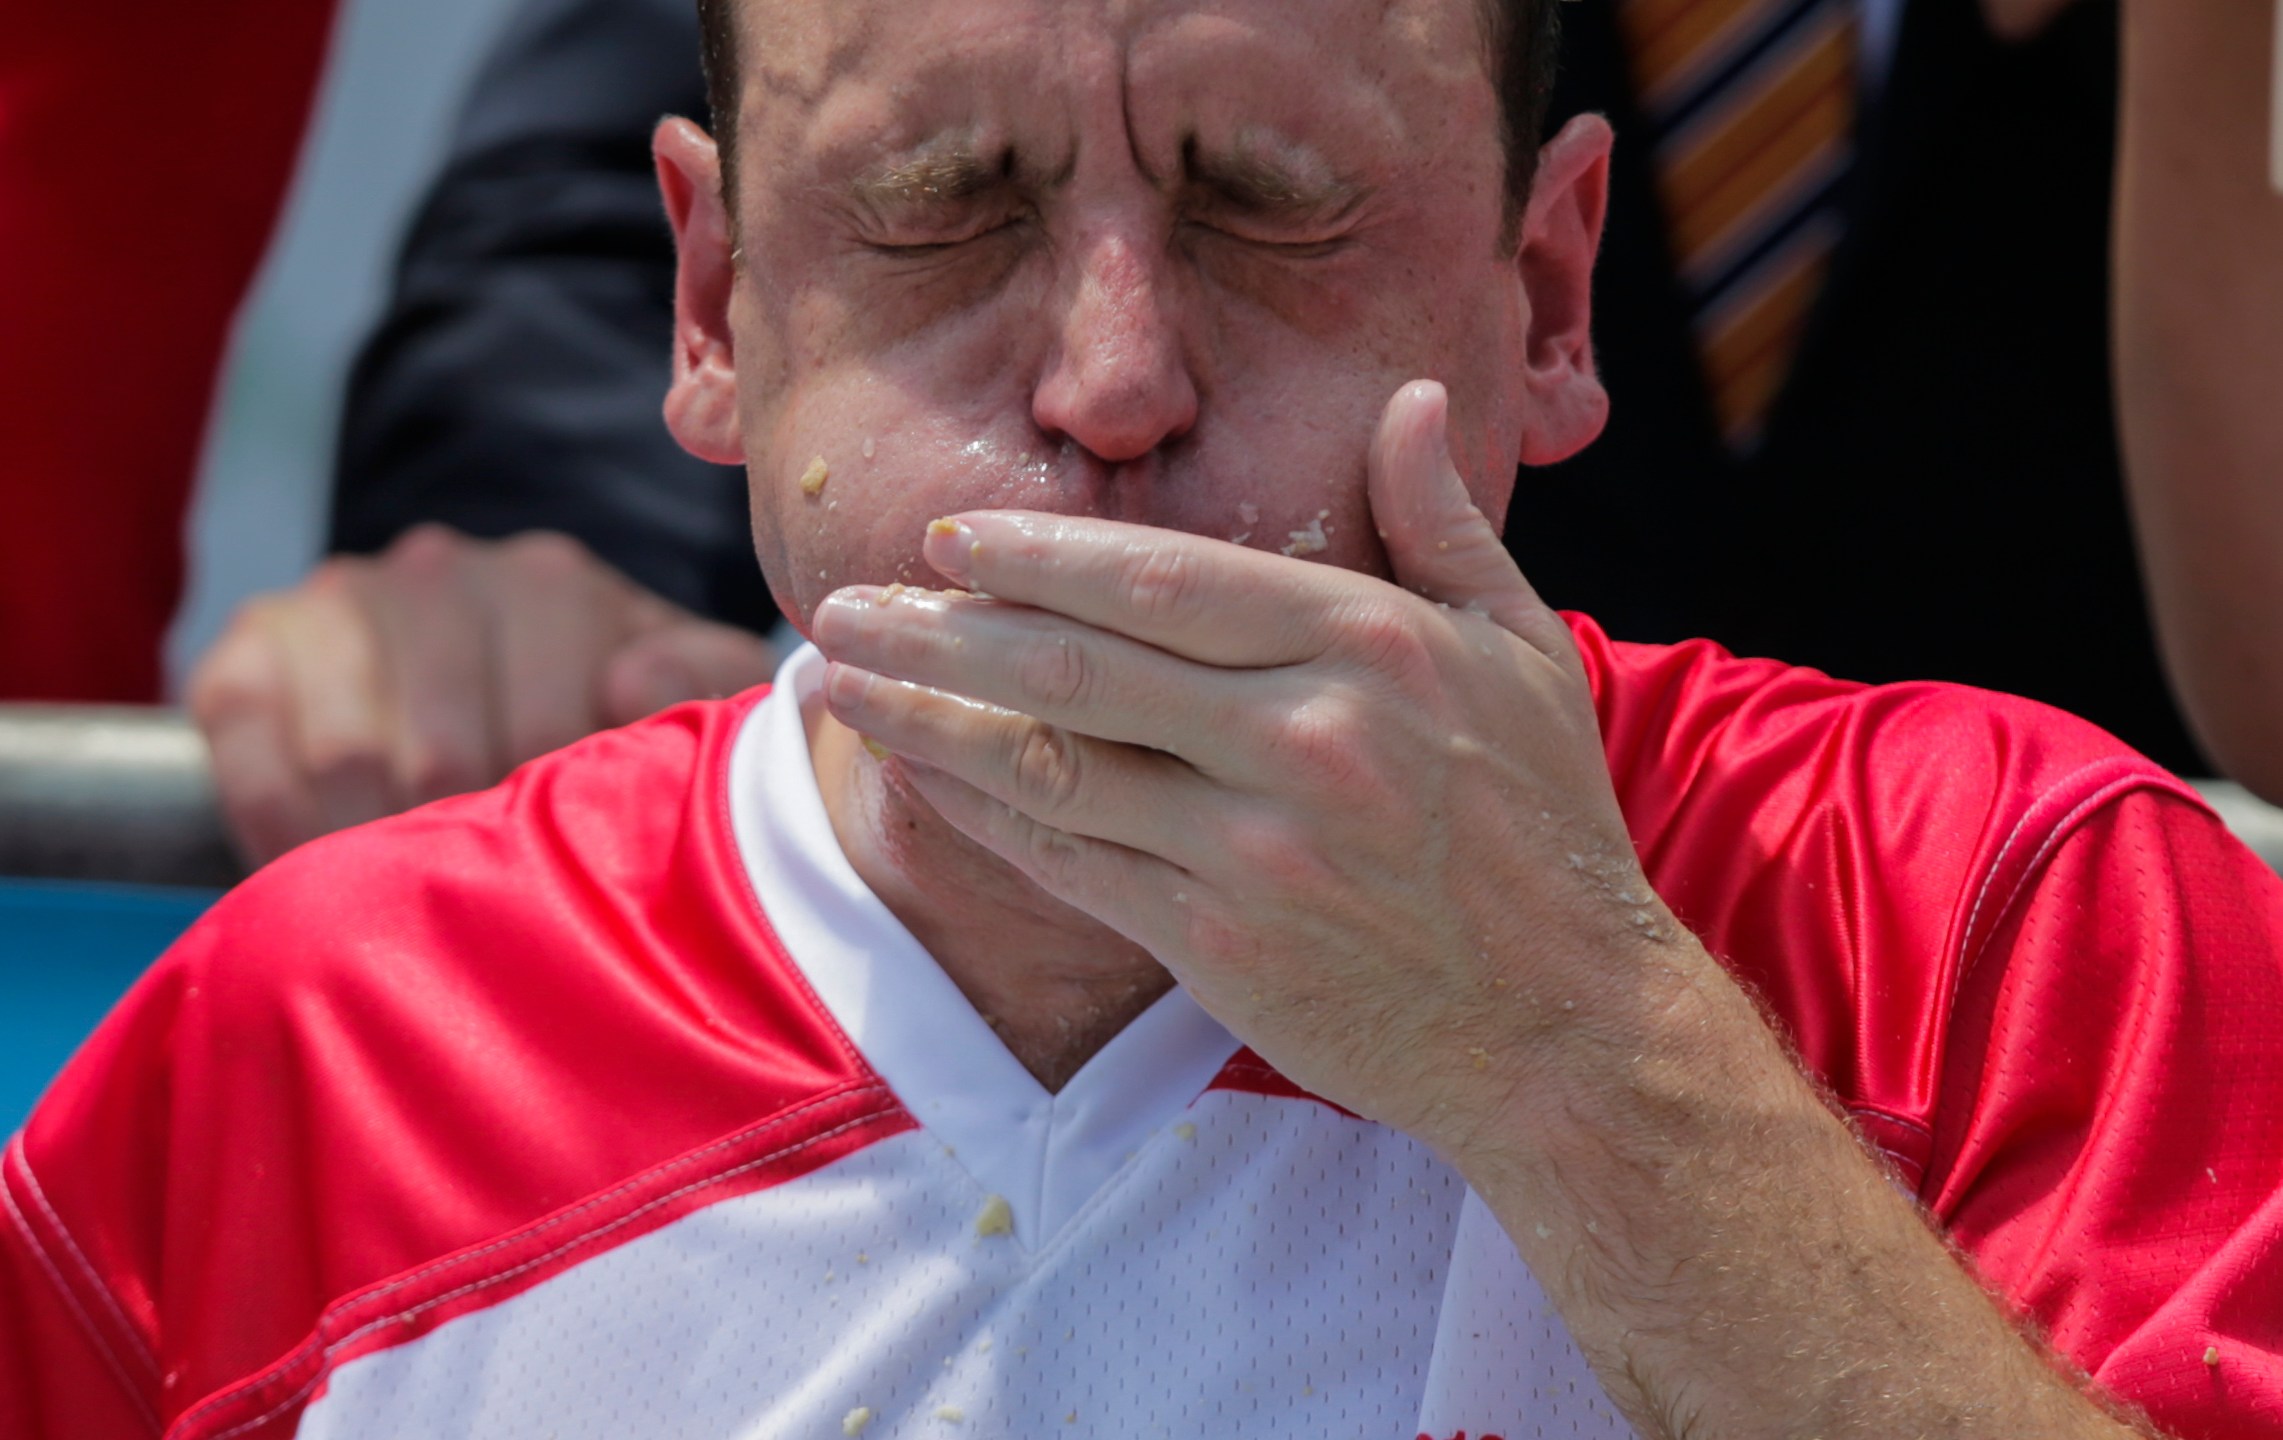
(1561,231)
(701,403)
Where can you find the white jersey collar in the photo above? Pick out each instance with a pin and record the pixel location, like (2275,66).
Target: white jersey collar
(1047,1155)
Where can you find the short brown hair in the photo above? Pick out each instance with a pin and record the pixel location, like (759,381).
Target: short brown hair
(1520,38)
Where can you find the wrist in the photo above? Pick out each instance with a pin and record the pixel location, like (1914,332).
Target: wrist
(1605,1089)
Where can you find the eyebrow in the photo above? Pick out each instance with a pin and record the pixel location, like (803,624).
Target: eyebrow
(945,173)
(1254,180)
(1247,178)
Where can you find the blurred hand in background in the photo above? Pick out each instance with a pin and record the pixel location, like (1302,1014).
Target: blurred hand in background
(434,668)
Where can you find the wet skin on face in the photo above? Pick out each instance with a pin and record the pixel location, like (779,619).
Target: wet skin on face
(1156,262)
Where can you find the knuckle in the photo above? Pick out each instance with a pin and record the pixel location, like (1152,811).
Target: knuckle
(234,677)
(336,577)
(1323,741)
(1046,770)
(543,556)
(1387,639)
(1054,859)
(428,550)
(1054,672)
(1273,853)
(1164,586)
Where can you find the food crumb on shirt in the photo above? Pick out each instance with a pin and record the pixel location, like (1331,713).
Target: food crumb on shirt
(1185,1131)
(813,478)
(998,1218)
(983,1344)
(2212,1356)
(862,1258)
(1071,1418)
(951,1414)
(854,1421)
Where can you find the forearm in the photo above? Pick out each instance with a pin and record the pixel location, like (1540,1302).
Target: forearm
(1726,1254)
(2199,343)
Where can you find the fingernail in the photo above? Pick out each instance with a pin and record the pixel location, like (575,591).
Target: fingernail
(950,547)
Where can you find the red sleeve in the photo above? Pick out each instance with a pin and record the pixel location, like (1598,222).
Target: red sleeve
(144,152)
(2034,969)
(2109,1141)
(78,1327)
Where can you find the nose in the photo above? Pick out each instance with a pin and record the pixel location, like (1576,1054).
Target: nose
(1117,378)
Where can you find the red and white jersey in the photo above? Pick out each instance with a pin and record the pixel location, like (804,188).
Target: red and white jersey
(611,1102)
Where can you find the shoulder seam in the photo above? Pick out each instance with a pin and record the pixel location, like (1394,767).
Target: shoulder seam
(1974,942)
(103,1345)
(87,1268)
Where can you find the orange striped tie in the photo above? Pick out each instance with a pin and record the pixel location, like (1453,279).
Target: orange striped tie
(1751,112)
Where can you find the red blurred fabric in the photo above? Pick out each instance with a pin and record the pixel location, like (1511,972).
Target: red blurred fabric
(2037,972)
(145,151)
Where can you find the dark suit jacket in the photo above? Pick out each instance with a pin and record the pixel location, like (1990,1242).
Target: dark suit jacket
(1938,495)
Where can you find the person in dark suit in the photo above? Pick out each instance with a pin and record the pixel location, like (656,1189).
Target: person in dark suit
(1917,477)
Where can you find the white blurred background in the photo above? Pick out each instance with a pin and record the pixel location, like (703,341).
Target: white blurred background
(393,85)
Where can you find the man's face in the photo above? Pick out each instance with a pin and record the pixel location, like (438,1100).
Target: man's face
(1152,260)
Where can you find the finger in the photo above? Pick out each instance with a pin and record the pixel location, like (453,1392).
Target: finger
(557,614)
(340,716)
(1203,600)
(1074,784)
(1040,664)
(1439,543)
(437,652)
(1139,896)
(682,659)
(238,697)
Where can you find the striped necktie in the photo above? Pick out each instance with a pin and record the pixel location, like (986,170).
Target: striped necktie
(1750,106)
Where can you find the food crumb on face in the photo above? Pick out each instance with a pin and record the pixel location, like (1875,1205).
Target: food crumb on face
(1310,541)
(813,478)
(875,749)
(1184,1131)
(2212,1356)
(943,526)
(854,1421)
(950,1414)
(869,447)
(895,588)
(1248,512)
(1481,1057)
(998,1218)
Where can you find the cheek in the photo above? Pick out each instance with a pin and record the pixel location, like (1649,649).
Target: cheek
(853,473)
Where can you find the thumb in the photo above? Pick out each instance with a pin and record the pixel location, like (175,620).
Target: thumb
(1438,541)
(685,659)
